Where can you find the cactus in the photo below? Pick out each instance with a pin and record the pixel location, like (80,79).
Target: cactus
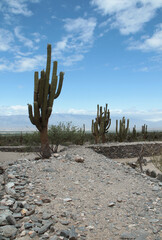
(101,124)
(44,95)
(123,129)
(134,132)
(144,131)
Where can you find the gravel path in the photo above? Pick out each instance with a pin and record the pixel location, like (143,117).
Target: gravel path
(97,199)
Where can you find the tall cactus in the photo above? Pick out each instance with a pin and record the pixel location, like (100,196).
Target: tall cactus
(101,124)
(123,129)
(144,131)
(44,95)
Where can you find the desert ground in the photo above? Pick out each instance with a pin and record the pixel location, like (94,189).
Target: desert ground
(78,194)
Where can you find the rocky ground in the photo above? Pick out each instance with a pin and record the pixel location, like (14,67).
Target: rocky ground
(78,194)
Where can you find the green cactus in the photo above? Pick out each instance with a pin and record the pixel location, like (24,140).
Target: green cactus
(44,95)
(101,124)
(134,132)
(144,131)
(123,129)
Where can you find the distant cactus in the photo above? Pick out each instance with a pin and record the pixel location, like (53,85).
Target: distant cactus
(44,95)
(123,129)
(134,132)
(144,131)
(101,124)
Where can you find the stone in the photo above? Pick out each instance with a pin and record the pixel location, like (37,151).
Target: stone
(73,234)
(55,237)
(111,204)
(67,199)
(46,215)
(9,189)
(3,216)
(45,228)
(153,174)
(11,220)
(65,233)
(46,200)
(127,235)
(79,159)
(8,231)
(159,177)
(28,225)
(155,188)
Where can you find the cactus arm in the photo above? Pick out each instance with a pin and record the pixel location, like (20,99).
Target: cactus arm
(41,88)
(31,114)
(60,85)
(48,65)
(36,85)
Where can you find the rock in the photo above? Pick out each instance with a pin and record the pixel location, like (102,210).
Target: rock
(64,222)
(153,174)
(1,170)
(65,233)
(73,234)
(79,159)
(28,225)
(8,231)
(46,200)
(46,215)
(45,228)
(55,237)
(111,204)
(127,235)
(67,199)
(11,220)
(3,216)
(155,188)
(159,177)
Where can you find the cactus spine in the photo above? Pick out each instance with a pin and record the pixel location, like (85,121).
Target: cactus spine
(44,95)
(123,129)
(101,124)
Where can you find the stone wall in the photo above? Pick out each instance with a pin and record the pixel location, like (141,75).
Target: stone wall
(128,150)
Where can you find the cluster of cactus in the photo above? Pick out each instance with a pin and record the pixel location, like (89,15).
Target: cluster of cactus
(44,95)
(101,124)
(122,132)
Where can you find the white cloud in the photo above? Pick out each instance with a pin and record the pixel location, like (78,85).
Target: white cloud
(153,43)
(17,7)
(6,39)
(26,41)
(13,110)
(78,39)
(129,16)
(77,8)
(22,64)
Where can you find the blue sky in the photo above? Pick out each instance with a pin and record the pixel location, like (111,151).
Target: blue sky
(110,51)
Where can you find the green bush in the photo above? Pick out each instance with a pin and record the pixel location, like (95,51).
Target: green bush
(65,134)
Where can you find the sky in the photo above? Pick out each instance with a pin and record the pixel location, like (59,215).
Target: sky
(110,51)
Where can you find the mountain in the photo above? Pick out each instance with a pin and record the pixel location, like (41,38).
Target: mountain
(22,122)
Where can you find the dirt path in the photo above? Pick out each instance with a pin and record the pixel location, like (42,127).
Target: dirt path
(100,198)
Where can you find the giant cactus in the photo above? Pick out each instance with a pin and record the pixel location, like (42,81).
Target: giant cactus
(44,95)
(101,124)
(123,129)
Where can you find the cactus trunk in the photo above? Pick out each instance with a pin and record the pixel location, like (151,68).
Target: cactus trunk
(45,149)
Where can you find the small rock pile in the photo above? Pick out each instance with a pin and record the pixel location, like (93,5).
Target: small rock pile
(18,214)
